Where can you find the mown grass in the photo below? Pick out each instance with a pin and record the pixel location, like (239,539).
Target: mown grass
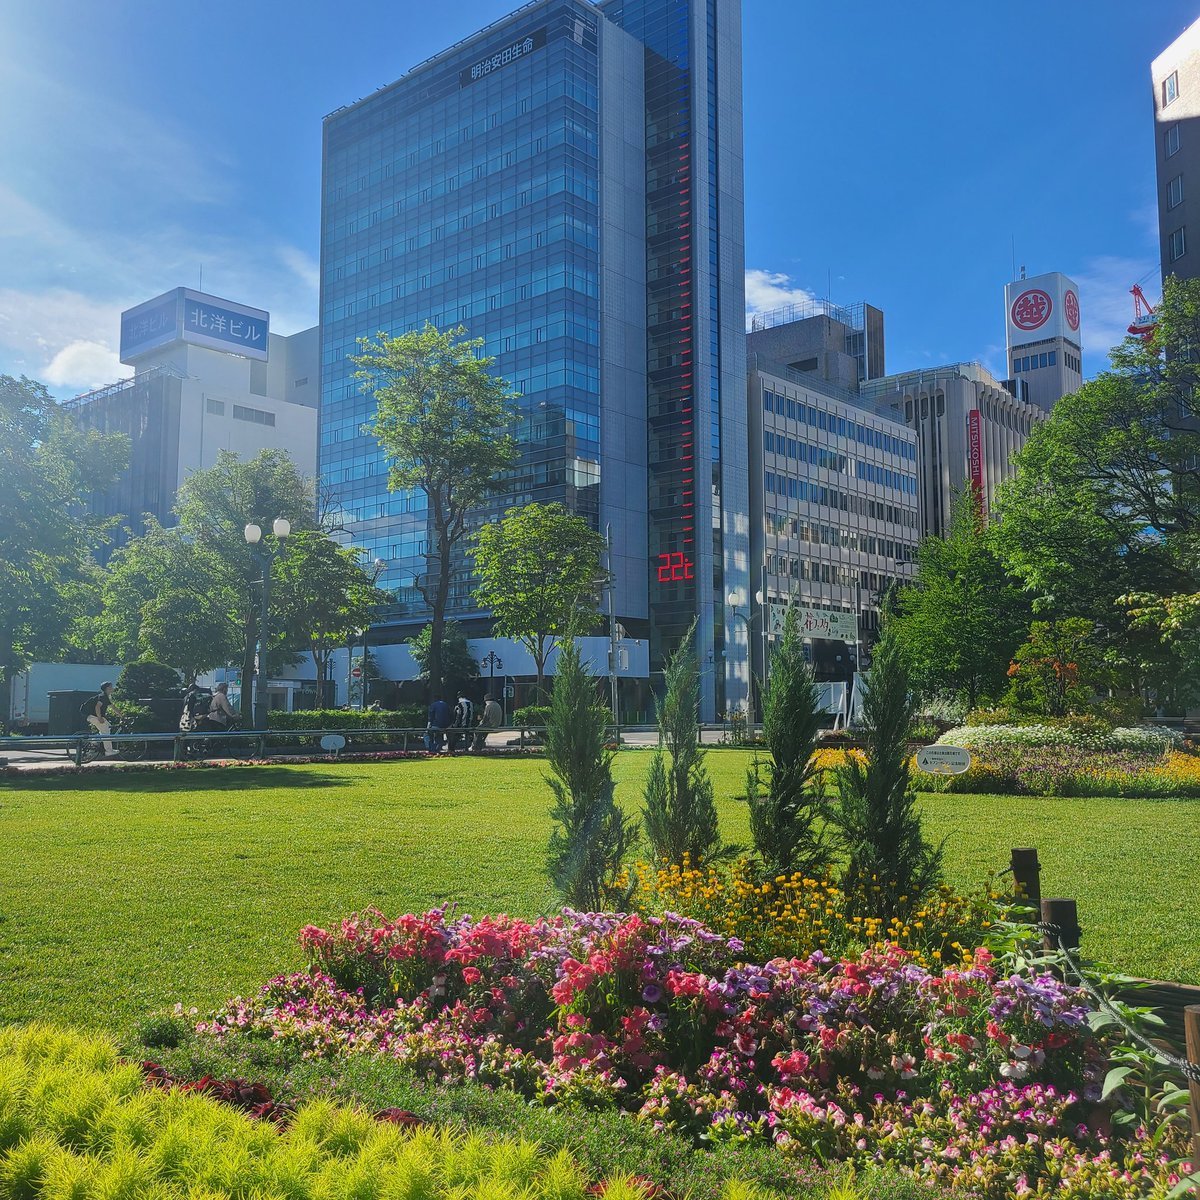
(123,894)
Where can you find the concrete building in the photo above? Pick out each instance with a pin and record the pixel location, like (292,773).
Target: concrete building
(834,493)
(1042,323)
(1175,79)
(968,426)
(839,344)
(567,185)
(209,376)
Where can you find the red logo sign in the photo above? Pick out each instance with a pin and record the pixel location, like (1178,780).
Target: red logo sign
(1071,308)
(975,454)
(1031,309)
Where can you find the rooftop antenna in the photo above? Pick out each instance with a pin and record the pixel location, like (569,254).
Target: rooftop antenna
(1013,237)
(201,288)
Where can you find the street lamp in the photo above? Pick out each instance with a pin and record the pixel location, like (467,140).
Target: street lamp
(264,556)
(494,663)
(378,568)
(745,619)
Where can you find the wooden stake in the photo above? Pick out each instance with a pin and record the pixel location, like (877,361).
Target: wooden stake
(1065,915)
(1027,875)
(1191,1030)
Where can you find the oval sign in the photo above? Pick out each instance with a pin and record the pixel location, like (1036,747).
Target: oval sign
(333,742)
(943,760)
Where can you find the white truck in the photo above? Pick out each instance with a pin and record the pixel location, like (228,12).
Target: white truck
(29,696)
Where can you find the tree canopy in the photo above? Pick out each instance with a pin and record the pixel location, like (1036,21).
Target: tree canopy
(443,421)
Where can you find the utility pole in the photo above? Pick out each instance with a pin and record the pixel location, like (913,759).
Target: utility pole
(614,647)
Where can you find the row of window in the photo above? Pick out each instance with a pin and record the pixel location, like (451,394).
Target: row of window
(1033,362)
(877,510)
(852,539)
(816,493)
(240,412)
(814,571)
(796,410)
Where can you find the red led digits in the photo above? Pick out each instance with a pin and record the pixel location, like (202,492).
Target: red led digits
(674,567)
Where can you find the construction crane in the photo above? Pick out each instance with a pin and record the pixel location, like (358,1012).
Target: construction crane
(1144,316)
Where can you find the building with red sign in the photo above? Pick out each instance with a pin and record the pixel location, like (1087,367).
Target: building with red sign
(1042,322)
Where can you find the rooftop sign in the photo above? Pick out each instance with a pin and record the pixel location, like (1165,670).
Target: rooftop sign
(184,315)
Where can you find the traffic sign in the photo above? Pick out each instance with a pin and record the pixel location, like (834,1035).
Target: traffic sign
(943,760)
(356,673)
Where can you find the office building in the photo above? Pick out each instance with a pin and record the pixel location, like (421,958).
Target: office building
(968,426)
(833,491)
(208,376)
(565,184)
(1042,322)
(1175,79)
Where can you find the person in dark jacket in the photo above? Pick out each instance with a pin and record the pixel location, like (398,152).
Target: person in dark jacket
(440,719)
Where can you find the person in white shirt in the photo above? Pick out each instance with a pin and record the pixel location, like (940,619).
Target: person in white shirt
(220,712)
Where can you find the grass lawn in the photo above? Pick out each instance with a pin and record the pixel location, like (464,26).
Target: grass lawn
(120,895)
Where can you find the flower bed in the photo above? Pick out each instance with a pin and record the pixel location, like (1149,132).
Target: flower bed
(977,1076)
(1090,736)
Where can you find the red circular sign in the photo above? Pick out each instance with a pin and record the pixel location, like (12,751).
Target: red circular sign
(357,672)
(1071,308)
(1032,309)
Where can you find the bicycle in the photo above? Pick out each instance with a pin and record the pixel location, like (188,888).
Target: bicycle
(132,751)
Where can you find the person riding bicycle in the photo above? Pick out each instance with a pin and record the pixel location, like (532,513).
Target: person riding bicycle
(196,703)
(221,714)
(97,710)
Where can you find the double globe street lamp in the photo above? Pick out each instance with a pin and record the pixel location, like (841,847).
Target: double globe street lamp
(264,555)
(746,618)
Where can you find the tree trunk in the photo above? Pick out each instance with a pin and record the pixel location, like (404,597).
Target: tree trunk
(250,625)
(441,597)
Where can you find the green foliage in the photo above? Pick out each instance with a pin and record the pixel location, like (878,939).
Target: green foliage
(147,679)
(889,862)
(165,597)
(785,821)
(79,1121)
(679,816)
(47,466)
(1058,669)
(591,835)
(538,570)
(532,716)
(214,506)
(442,420)
(964,616)
(457,666)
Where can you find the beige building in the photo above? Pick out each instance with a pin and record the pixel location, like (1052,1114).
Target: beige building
(1175,76)
(968,427)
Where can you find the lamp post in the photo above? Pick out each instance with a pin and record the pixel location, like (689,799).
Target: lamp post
(738,615)
(494,663)
(264,556)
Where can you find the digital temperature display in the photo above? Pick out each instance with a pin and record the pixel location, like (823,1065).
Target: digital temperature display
(675,567)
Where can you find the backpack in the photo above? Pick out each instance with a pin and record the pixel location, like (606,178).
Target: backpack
(88,708)
(198,702)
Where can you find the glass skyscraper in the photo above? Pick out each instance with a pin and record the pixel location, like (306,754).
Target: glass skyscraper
(565,184)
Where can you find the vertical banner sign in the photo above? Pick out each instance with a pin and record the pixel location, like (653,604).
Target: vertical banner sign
(975,452)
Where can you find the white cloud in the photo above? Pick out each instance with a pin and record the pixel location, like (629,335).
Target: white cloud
(766,290)
(1105,305)
(304,266)
(84,364)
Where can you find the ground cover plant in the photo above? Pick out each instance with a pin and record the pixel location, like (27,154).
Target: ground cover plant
(986,1075)
(80,1121)
(123,895)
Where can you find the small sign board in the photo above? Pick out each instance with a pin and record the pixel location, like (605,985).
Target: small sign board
(333,742)
(357,673)
(510,691)
(943,760)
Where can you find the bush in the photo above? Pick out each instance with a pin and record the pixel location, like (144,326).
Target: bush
(148,680)
(354,721)
(532,716)
(1080,733)
(591,835)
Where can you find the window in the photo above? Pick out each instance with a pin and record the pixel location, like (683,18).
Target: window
(1177,244)
(1171,139)
(1170,88)
(1053,357)
(1175,191)
(256,415)
(216,407)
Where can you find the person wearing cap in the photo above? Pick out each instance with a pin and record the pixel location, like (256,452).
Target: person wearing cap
(98,717)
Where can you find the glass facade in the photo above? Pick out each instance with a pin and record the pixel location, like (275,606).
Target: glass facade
(471,192)
(467,195)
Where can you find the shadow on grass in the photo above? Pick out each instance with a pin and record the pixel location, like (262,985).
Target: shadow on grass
(204,779)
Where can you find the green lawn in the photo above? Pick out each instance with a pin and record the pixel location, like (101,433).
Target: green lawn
(123,895)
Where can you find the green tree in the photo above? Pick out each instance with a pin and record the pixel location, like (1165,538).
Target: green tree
(785,820)
(47,466)
(458,667)
(442,422)
(215,505)
(324,595)
(591,835)
(964,615)
(890,866)
(165,597)
(147,679)
(679,815)
(1102,520)
(539,571)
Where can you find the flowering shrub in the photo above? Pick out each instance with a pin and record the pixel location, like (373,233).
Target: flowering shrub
(970,1075)
(790,915)
(1092,736)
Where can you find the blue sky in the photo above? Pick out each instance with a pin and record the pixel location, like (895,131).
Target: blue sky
(894,153)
